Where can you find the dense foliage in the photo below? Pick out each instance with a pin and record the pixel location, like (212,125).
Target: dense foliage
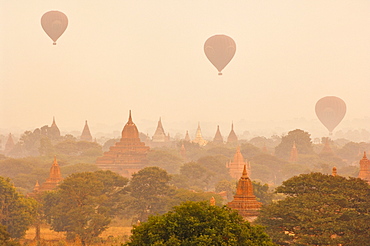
(85,203)
(320,209)
(16,212)
(198,223)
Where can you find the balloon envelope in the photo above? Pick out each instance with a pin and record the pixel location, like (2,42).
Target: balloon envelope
(330,110)
(219,49)
(54,24)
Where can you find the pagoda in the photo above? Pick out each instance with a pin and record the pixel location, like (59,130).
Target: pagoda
(183,151)
(159,135)
(364,169)
(198,137)
(127,156)
(9,145)
(293,153)
(326,150)
(187,137)
(232,138)
(245,202)
(86,135)
(55,177)
(160,139)
(53,130)
(236,166)
(218,137)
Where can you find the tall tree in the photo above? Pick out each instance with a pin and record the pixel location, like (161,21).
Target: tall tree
(319,210)
(198,223)
(302,140)
(16,212)
(149,188)
(84,203)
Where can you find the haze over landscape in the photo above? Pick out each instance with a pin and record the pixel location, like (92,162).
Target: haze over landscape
(148,57)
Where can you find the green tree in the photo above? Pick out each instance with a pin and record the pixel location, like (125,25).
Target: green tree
(85,203)
(5,239)
(150,189)
(165,159)
(196,176)
(198,223)
(16,212)
(319,209)
(302,140)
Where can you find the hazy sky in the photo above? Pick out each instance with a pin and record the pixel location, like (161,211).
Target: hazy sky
(147,56)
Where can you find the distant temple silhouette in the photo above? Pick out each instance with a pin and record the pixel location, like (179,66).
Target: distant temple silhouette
(364,169)
(293,153)
(198,137)
(9,145)
(86,135)
(232,138)
(236,166)
(160,139)
(218,139)
(53,130)
(127,156)
(245,202)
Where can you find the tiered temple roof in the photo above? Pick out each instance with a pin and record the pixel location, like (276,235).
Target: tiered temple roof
(232,138)
(364,169)
(55,177)
(86,135)
(187,137)
(218,139)
(127,156)
(236,166)
(198,137)
(245,202)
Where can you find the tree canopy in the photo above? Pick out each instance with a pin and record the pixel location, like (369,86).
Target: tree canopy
(302,140)
(16,211)
(319,209)
(84,203)
(198,223)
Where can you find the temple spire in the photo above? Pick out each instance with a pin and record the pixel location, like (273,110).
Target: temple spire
(129,117)
(334,172)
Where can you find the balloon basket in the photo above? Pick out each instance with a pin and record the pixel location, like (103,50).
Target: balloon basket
(219,73)
(54,43)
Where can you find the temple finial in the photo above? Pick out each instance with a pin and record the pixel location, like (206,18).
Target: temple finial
(334,172)
(364,155)
(129,117)
(245,174)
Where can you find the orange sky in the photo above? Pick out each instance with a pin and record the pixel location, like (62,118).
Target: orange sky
(148,56)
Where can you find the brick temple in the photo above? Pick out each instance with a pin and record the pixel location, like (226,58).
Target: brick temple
(245,202)
(127,156)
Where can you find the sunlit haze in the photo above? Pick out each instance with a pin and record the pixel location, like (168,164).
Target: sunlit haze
(147,56)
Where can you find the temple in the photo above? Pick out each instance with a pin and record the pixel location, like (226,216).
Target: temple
(232,138)
(334,172)
(55,177)
(293,153)
(86,135)
(236,166)
(364,169)
(53,130)
(326,150)
(187,137)
(198,138)
(160,139)
(218,137)
(245,202)
(9,145)
(127,156)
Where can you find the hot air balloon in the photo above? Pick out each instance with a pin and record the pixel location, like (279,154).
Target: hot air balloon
(330,110)
(54,24)
(220,49)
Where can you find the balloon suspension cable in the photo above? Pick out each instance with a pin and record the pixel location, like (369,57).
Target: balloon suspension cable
(219,73)
(54,43)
